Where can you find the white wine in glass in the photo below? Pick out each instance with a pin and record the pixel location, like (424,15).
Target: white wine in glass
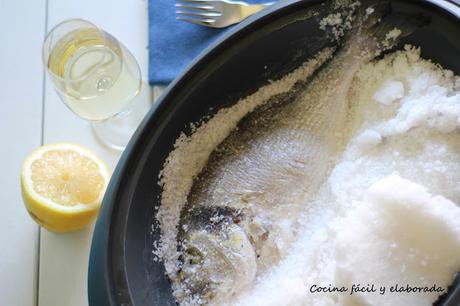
(96,77)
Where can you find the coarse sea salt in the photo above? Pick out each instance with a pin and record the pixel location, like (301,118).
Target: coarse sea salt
(398,234)
(378,217)
(388,200)
(390,92)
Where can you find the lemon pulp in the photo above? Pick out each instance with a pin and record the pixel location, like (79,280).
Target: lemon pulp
(67,178)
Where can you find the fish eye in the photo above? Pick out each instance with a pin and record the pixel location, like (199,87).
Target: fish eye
(193,256)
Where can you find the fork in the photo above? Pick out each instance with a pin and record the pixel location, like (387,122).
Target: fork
(216,13)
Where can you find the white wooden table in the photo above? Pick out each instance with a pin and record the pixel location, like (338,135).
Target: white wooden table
(38,267)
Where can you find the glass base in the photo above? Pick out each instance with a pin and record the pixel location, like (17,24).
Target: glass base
(116,132)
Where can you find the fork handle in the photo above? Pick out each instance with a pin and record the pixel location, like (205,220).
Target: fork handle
(250,9)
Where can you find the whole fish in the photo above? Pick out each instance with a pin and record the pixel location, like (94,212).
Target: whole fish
(241,211)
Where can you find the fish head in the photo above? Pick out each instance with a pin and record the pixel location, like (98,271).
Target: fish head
(217,260)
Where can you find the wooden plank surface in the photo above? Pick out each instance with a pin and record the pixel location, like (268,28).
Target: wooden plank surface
(21,100)
(64,257)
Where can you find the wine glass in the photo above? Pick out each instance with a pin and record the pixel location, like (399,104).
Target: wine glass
(97,78)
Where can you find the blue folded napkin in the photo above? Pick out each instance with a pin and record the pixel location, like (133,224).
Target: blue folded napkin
(173,44)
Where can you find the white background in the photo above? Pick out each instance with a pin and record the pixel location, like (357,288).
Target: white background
(38,267)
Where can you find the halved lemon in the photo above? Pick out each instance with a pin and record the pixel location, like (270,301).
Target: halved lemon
(63,185)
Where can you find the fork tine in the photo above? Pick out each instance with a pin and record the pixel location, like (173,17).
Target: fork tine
(203,22)
(207,15)
(194,7)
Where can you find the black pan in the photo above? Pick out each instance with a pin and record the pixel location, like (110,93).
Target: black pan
(122,270)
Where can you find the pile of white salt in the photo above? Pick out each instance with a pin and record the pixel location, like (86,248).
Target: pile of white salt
(387,215)
(399,234)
